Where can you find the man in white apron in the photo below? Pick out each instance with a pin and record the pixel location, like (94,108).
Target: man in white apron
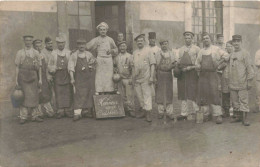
(106,49)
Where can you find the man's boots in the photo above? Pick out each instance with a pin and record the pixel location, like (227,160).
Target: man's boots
(149,116)
(237,117)
(141,113)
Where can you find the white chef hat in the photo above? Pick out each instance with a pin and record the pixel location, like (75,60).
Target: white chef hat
(102,24)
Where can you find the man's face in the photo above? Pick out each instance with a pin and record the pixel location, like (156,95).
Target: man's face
(229,47)
(237,44)
(82,47)
(102,31)
(206,40)
(120,37)
(220,40)
(165,45)
(140,42)
(38,46)
(188,39)
(152,42)
(49,45)
(122,48)
(60,45)
(28,42)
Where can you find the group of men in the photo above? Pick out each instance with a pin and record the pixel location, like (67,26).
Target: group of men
(62,83)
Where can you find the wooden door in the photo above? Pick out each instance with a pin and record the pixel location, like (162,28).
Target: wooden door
(113,13)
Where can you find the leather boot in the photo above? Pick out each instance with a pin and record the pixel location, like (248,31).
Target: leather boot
(141,113)
(236,117)
(149,116)
(219,120)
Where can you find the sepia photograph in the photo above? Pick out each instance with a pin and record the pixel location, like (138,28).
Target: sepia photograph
(130,83)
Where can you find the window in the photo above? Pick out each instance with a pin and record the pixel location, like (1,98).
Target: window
(207,17)
(79,21)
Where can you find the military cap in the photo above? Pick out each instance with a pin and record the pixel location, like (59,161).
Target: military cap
(188,32)
(204,34)
(139,36)
(27,36)
(37,41)
(79,41)
(219,35)
(47,39)
(230,42)
(163,40)
(122,42)
(152,35)
(60,39)
(236,37)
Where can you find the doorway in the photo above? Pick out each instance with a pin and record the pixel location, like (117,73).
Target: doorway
(113,13)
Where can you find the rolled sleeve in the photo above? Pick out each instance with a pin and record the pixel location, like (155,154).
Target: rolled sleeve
(151,57)
(52,63)
(72,63)
(17,60)
(198,60)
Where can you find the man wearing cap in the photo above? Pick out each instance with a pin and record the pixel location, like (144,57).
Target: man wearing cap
(37,45)
(165,62)
(106,49)
(257,64)
(207,63)
(120,38)
(220,41)
(82,75)
(123,65)
(154,49)
(188,80)
(46,93)
(144,66)
(27,70)
(58,67)
(240,80)
(224,78)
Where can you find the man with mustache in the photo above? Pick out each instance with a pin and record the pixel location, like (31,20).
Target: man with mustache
(240,80)
(144,66)
(207,64)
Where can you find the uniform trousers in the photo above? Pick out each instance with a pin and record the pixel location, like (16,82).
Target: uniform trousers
(47,107)
(144,95)
(169,109)
(188,107)
(24,112)
(216,110)
(239,100)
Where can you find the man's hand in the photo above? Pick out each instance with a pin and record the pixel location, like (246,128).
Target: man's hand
(74,89)
(249,84)
(184,69)
(40,83)
(110,52)
(72,81)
